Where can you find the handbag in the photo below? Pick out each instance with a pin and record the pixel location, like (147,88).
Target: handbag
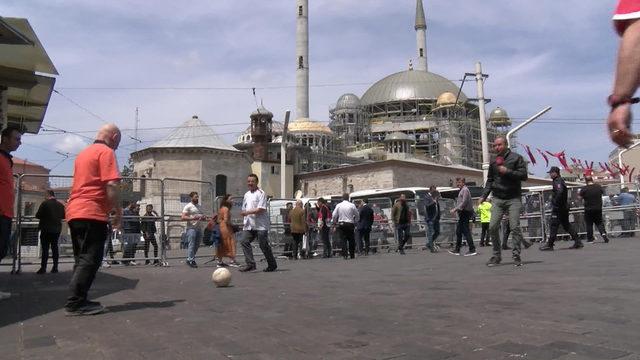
(305,242)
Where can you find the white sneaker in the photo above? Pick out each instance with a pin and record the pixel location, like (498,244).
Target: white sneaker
(133,263)
(4,295)
(106,265)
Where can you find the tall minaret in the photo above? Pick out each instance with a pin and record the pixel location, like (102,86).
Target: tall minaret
(421,37)
(302,59)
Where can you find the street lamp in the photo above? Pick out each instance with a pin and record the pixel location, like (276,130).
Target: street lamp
(620,158)
(529,120)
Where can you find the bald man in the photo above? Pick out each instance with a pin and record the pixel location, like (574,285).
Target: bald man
(94,194)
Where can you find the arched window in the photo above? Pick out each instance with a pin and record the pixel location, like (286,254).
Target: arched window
(221,185)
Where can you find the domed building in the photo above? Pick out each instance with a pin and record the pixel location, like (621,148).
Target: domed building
(348,119)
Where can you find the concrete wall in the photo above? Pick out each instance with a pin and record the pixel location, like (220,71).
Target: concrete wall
(269,182)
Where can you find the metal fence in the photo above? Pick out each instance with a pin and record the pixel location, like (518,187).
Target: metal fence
(169,197)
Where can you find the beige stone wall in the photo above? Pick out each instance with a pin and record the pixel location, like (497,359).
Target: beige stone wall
(235,167)
(337,184)
(411,177)
(269,182)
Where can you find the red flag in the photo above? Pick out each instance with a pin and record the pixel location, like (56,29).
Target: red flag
(546,159)
(562,159)
(528,149)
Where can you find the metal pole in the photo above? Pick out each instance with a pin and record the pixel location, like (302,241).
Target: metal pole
(283,156)
(620,158)
(17,245)
(515,129)
(163,234)
(483,122)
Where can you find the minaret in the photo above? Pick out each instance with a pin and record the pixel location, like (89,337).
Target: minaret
(302,59)
(421,37)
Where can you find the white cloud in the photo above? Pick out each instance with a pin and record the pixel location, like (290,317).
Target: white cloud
(70,143)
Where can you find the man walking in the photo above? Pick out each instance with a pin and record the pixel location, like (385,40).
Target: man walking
(559,212)
(324,221)
(364,225)
(148,225)
(484,213)
(50,213)
(345,216)
(401,216)
(464,209)
(195,218)
(432,217)
(592,196)
(256,225)
(506,173)
(131,233)
(94,193)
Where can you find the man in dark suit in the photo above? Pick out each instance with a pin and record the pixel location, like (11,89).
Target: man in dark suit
(50,213)
(364,225)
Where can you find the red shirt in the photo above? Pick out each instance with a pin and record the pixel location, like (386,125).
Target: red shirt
(626,10)
(7,190)
(94,167)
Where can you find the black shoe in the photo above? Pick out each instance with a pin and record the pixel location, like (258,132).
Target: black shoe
(401,251)
(493,261)
(156,262)
(115,262)
(576,245)
(526,243)
(41,271)
(86,308)
(606,239)
(192,264)
(517,261)
(247,268)
(546,247)
(271,268)
(54,270)
(506,248)
(147,262)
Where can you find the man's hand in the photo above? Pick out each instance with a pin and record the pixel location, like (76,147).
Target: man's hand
(502,169)
(244,213)
(453,211)
(619,124)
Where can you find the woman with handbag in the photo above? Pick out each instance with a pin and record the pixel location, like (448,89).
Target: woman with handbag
(227,246)
(298,227)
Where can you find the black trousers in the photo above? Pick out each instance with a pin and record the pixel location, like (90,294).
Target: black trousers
(364,240)
(148,240)
(484,234)
(403,233)
(326,243)
(88,237)
(49,240)
(592,217)
(296,245)
(346,231)
(5,235)
(560,217)
(463,230)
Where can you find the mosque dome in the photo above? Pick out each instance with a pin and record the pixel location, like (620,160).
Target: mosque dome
(409,85)
(499,117)
(398,136)
(446,99)
(348,101)
(261,110)
(306,125)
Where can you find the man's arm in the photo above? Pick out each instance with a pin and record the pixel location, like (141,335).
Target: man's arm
(627,80)
(40,211)
(489,185)
(113,196)
(520,170)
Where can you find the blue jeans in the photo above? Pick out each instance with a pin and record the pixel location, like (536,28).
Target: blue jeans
(194,237)
(433,230)
(403,234)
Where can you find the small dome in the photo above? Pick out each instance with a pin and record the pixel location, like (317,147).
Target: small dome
(398,136)
(261,110)
(499,117)
(306,125)
(446,98)
(348,101)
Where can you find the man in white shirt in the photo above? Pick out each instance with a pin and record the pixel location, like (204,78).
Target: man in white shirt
(346,215)
(256,225)
(195,218)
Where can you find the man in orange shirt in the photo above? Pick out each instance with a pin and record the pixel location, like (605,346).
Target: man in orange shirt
(95,192)
(10,140)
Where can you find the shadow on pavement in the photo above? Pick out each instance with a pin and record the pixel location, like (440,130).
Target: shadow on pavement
(34,295)
(143,305)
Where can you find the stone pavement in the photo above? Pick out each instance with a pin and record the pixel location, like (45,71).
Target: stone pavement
(561,305)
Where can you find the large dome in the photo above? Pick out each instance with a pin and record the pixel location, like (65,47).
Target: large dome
(348,101)
(409,85)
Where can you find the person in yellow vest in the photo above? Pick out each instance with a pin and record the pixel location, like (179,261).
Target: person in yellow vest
(484,213)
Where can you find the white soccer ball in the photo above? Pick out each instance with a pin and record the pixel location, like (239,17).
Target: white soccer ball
(221,277)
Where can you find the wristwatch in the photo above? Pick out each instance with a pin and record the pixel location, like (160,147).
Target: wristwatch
(616,100)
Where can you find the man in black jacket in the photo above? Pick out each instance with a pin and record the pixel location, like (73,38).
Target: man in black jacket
(432,217)
(364,225)
(592,196)
(50,213)
(559,212)
(131,232)
(148,227)
(506,173)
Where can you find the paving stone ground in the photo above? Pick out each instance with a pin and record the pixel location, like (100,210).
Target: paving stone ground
(562,305)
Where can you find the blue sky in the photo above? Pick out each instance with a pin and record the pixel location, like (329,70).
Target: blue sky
(537,53)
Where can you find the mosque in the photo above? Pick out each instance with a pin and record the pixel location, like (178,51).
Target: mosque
(413,116)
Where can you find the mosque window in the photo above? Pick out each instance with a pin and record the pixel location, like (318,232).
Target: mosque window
(299,10)
(421,52)
(221,185)
(300,62)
